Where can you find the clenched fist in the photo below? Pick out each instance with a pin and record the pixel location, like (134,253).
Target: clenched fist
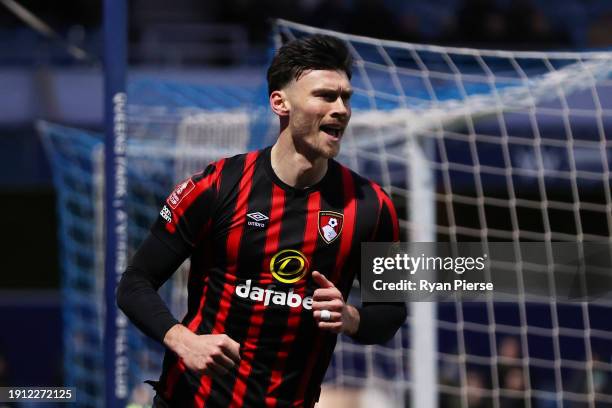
(342,318)
(203,354)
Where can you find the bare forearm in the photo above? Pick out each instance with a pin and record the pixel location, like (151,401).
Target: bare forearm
(176,339)
(351,320)
(207,353)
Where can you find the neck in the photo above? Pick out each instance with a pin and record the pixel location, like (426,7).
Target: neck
(295,168)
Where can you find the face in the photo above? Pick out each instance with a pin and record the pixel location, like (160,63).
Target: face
(318,111)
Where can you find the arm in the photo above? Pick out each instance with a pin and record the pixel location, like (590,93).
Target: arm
(378,322)
(171,240)
(152,265)
(173,237)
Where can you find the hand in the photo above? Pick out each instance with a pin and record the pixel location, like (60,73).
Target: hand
(204,354)
(344,318)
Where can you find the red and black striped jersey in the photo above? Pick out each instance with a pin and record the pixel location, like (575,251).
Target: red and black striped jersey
(254,242)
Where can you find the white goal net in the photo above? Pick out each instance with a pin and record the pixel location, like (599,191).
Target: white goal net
(485,146)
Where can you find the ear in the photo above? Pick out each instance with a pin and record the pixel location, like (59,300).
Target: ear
(279,103)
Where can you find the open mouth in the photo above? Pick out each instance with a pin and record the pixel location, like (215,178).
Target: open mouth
(333,131)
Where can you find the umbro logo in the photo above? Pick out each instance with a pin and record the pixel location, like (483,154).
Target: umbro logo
(258,219)
(257,216)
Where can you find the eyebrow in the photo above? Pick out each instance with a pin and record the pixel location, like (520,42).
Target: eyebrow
(347,92)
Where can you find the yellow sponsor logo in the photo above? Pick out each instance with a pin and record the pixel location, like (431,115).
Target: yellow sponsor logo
(289,266)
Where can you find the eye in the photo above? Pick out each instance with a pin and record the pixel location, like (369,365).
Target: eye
(329,97)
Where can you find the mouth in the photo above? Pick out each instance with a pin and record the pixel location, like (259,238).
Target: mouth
(334,131)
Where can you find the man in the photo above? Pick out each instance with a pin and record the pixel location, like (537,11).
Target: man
(274,238)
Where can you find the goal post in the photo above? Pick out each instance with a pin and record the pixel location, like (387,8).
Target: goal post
(423,314)
(116,356)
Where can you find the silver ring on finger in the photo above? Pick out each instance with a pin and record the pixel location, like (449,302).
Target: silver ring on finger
(325,315)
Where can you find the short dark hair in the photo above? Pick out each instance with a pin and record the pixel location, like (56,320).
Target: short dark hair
(313,52)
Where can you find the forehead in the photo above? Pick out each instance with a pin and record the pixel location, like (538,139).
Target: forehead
(319,78)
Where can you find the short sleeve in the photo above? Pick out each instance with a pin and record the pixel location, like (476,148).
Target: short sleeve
(187,212)
(387,227)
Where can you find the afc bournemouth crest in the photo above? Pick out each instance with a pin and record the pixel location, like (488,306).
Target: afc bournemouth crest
(330,225)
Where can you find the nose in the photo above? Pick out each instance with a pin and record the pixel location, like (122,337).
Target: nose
(341,108)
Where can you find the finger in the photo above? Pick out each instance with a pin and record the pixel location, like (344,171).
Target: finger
(335,327)
(332,306)
(334,316)
(321,280)
(215,369)
(231,348)
(224,361)
(326,294)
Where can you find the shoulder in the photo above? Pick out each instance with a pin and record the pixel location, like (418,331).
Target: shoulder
(228,165)
(363,186)
(225,175)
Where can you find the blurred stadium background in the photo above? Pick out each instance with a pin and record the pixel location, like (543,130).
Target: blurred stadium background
(220,50)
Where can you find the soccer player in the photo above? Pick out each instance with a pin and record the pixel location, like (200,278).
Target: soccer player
(274,239)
